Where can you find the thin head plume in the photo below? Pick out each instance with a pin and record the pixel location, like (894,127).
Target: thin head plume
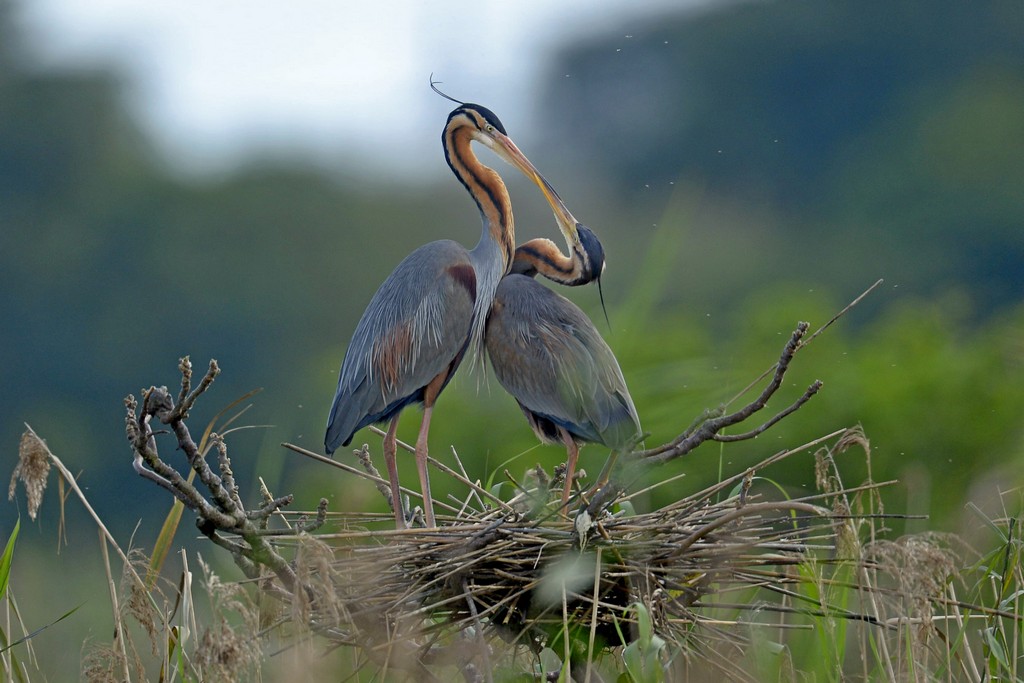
(600,293)
(594,261)
(433,86)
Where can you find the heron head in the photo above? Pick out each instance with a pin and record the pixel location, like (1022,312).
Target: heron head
(592,252)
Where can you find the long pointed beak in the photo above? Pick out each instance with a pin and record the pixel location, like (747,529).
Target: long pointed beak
(566,221)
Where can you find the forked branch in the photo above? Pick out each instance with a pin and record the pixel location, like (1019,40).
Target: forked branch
(710,426)
(222,516)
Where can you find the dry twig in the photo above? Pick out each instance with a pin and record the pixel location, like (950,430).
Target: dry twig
(222,517)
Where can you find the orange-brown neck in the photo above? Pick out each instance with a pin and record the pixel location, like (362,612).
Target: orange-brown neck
(485,186)
(542,257)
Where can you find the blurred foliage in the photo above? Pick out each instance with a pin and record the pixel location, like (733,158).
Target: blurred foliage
(886,137)
(747,167)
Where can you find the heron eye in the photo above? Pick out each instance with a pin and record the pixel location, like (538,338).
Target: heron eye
(488,128)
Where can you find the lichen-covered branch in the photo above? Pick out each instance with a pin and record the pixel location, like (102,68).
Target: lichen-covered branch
(221,515)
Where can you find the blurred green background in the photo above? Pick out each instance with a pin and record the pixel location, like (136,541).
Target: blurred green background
(746,166)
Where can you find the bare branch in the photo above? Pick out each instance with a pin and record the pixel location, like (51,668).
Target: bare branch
(792,408)
(185,366)
(190,398)
(363,454)
(222,513)
(709,428)
(846,309)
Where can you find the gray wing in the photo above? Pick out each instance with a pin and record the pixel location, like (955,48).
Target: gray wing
(415,327)
(551,358)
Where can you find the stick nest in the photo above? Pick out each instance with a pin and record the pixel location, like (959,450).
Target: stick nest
(521,574)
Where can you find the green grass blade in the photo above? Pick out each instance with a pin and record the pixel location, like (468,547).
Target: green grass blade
(39,630)
(162,546)
(7,558)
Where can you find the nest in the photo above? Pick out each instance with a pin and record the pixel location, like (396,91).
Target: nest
(501,579)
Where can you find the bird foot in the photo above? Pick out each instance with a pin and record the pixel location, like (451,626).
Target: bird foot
(414,517)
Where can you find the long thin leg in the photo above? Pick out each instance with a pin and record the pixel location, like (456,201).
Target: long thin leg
(572,454)
(390,449)
(421,466)
(430,393)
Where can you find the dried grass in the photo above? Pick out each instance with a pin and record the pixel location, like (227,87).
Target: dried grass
(497,582)
(32,470)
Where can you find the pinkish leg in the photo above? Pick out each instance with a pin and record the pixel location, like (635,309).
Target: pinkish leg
(390,448)
(421,466)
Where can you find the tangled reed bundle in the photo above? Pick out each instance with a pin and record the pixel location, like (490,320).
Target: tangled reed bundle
(497,580)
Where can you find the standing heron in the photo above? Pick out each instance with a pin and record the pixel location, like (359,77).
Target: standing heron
(433,307)
(551,358)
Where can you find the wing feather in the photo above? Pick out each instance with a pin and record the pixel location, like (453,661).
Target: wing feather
(415,327)
(551,358)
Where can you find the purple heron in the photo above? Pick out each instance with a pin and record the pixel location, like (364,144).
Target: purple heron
(551,358)
(433,307)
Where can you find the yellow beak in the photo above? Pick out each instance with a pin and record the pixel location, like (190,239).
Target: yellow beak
(566,221)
